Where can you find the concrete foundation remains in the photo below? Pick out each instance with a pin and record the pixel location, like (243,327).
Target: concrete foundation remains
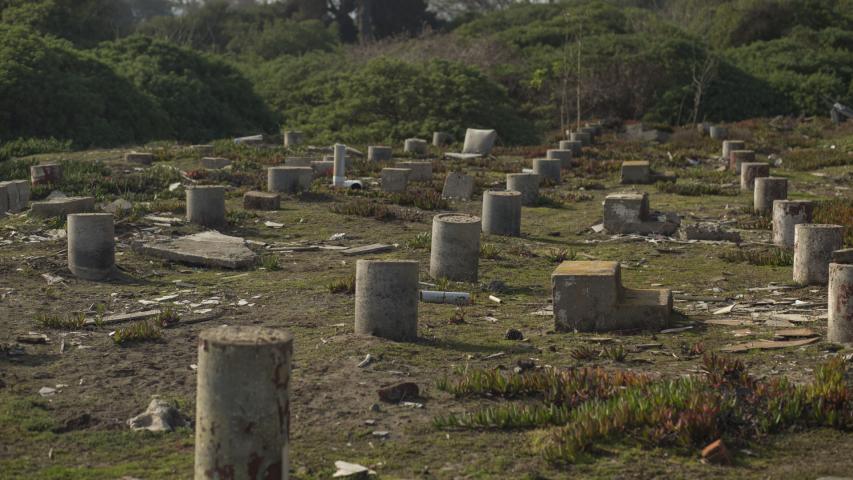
(289,179)
(564,156)
(215,163)
(420,171)
(378,153)
(91,245)
(417,146)
(17,194)
(629,213)
(502,213)
(45,174)
(479,142)
(729,145)
(255,200)
(62,206)
(585,139)
(386,299)
(636,172)
(527,184)
(588,296)
(767,191)
(458,185)
(840,324)
(395,180)
(139,157)
(813,247)
(207,249)
(738,157)
(718,133)
(440,139)
(786,215)
(548,170)
(749,171)
(455,252)
(206,205)
(293,138)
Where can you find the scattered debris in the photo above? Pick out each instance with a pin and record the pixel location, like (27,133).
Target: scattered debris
(160,416)
(397,393)
(767,345)
(351,470)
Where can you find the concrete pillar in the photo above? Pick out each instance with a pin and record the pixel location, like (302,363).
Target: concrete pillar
(813,247)
(415,145)
(718,133)
(525,183)
(242,403)
(455,253)
(749,171)
(46,173)
(584,138)
(386,299)
(787,214)
(395,180)
(379,154)
(292,139)
(840,325)
(91,245)
(703,128)
(564,156)
(729,145)
(768,190)
(289,179)
(440,139)
(206,205)
(575,147)
(420,171)
(738,157)
(339,175)
(547,169)
(502,213)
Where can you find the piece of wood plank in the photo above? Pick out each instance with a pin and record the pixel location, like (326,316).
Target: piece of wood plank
(767,345)
(365,249)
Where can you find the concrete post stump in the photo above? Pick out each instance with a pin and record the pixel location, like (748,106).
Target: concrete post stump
(440,139)
(378,153)
(395,180)
(502,213)
(840,325)
(386,299)
(813,247)
(585,139)
(242,403)
(729,145)
(339,173)
(206,205)
(45,173)
(415,145)
(564,156)
(547,169)
(455,253)
(293,138)
(91,245)
(786,215)
(718,133)
(575,147)
(768,190)
(737,158)
(525,183)
(289,179)
(749,171)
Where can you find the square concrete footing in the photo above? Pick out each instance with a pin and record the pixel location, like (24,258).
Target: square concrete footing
(589,297)
(636,172)
(62,206)
(255,200)
(629,213)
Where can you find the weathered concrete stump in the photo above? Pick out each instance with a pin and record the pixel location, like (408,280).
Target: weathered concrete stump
(768,190)
(730,145)
(548,169)
(585,139)
(293,138)
(527,184)
(636,172)
(502,213)
(139,157)
(749,171)
(255,200)
(378,153)
(17,194)
(718,133)
(588,296)
(420,171)
(440,139)
(62,206)
(479,141)
(289,179)
(298,161)
(214,163)
(455,253)
(339,173)
(418,146)
(629,213)
(786,215)
(206,205)
(395,180)
(813,247)
(386,299)
(737,158)
(323,168)
(45,174)
(564,156)
(242,403)
(575,147)
(91,245)
(458,185)
(840,325)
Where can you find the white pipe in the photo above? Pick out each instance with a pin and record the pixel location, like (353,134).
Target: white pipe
(339,175)
(455,298)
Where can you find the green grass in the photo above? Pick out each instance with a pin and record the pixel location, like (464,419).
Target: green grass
(763,256)
(695,189)
(147,331)
(56,322)
(342,285)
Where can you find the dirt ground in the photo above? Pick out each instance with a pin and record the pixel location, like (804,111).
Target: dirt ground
(81,432)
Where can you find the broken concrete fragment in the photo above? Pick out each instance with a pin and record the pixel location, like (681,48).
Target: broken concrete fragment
(17,193)
(160,416)
(255,200)
(458,185)
(60,207)
(708,231)
(629,213)
(479,142)
(208,249)
(45,174)
(139,157)
(588,296)
(365,249)
(768,345)
(419,171)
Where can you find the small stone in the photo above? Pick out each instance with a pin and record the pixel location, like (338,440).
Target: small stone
(513,334)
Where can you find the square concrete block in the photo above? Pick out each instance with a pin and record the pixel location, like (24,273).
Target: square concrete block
(420,171)
(298,161)
(479,142)
(323,168)
(588,296)
(458,185)
(214,163)
(140,158)
(60,207)
(622,208)
(255,200)
(395,180)
(636,172)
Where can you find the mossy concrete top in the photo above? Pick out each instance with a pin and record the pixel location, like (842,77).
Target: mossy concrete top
(590,268)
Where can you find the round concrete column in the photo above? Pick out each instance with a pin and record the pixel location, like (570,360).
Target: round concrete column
(339,173)
(242,406)
(289,179)
(564,156)
(91,245)
(813,247)
(525,183)
(729,145)
(718,133)
(206,205)
(575,147)
(787,214)
(547,169)
(750,171)
(768,190)
(386,299)
(840,326)
(738,157)
(292,139)
(502,213)
(455,253)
